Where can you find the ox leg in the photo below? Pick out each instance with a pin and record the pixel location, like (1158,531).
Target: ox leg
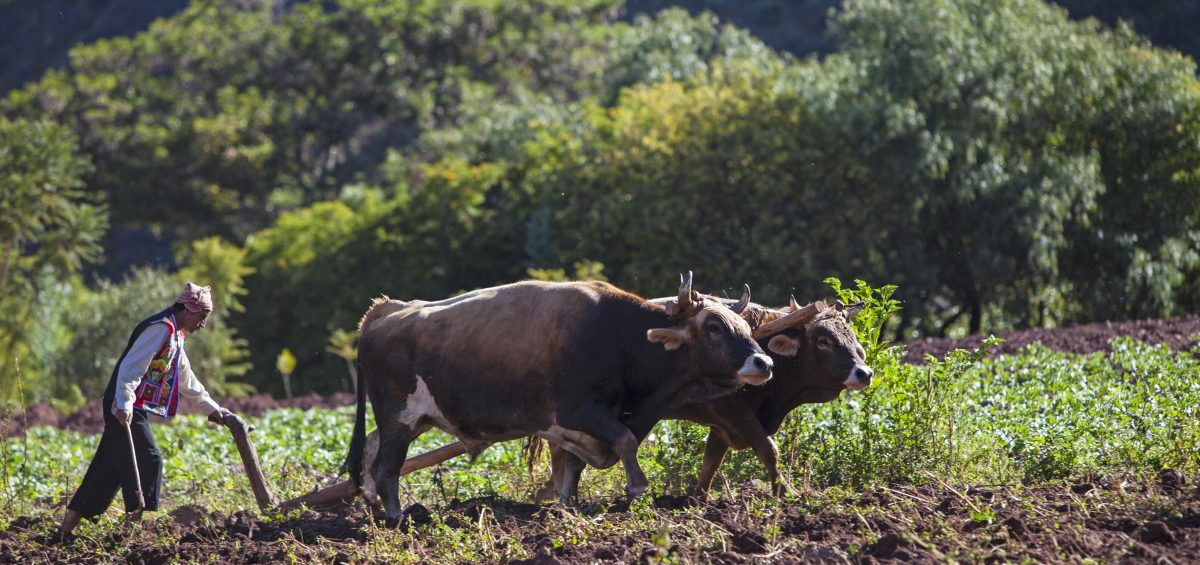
(568,487)
(714,453)
(750,430)
(600,424)
(768,453)
(393,448)
(552,486)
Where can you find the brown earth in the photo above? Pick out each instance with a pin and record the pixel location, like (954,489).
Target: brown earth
(1180,333)
(1156,521)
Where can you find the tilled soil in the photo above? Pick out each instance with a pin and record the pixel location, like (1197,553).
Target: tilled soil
(1153,522)
(1180,333)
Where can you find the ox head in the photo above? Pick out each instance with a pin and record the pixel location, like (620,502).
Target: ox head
(717,338)
(818,339)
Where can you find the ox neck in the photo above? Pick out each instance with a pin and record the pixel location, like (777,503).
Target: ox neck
(651,366)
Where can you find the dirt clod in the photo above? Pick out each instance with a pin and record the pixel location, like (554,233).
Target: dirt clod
(542,557)
(1154,532)
(1171,479)
(187,514)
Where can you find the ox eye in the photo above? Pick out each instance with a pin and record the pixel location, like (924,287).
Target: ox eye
(824,342)
(713,327)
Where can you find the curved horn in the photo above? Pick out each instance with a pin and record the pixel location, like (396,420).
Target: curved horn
(792,302)
(685,289)
(684,304)
(793,319)
(741,303)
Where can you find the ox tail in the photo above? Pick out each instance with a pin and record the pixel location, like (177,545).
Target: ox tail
(532,451)
(358,439)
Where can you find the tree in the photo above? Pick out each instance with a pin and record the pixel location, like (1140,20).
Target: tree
(1029,154)
(49,227)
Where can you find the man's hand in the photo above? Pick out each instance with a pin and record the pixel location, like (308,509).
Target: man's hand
(124,417)
(218,416)
(229,420)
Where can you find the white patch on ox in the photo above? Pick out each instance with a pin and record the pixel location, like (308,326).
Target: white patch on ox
(420,404)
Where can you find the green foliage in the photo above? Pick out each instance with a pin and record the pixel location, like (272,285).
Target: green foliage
(49,229)
(1000,137)
(215,118)
(1004,165)
(583,271)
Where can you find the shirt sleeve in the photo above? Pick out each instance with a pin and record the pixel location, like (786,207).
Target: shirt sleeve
(135,363)
(191,388)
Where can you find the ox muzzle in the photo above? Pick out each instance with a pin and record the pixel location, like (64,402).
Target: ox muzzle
(859,378)
(756,370)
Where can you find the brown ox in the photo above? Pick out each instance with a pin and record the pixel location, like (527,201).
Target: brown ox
(816,356)
(554,360)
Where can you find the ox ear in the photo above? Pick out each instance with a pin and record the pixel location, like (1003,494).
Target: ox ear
(784,345)
(671,338)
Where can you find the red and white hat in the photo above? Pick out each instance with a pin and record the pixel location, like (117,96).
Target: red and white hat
(196,298)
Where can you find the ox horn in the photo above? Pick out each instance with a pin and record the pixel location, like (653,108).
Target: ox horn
(853,309)
(685,304)
(792,302)
(743,301)
(795,318)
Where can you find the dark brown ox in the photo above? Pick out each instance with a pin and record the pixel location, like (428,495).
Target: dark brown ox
(816,356)
(553,360)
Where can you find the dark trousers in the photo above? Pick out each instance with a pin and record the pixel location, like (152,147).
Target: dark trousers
(112,468)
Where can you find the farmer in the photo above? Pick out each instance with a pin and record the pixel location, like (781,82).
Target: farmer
(150,377)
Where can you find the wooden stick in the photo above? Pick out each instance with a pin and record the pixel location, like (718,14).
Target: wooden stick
(137,475)
(258,483)
(431,458)
(341,491)
(346,490)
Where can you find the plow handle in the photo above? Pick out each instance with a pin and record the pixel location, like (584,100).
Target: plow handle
(258,483)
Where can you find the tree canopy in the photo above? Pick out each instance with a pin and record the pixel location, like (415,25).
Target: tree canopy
(1002,164)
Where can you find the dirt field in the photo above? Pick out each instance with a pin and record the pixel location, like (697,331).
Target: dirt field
(1180,333)
(1154,521)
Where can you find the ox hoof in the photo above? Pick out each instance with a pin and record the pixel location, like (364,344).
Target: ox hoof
(415,515)
(545,494)
(634,491)
(568,501)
